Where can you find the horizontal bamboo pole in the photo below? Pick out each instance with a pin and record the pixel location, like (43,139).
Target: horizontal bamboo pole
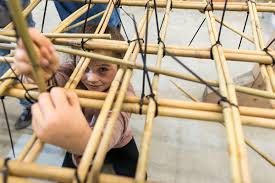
(186,93)
(203,53)
(63,35)
(51,173)
(188,112)
(263,7)
(247,111)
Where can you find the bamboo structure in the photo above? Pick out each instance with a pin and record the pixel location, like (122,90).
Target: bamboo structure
(228,112)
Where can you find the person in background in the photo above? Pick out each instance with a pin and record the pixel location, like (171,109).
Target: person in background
(24,119)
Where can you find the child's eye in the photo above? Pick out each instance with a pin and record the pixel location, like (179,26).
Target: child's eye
(103,69)
(87,69)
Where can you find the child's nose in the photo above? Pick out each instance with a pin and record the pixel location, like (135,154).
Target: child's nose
(92,77)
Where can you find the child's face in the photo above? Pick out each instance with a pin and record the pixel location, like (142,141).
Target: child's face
(99,75)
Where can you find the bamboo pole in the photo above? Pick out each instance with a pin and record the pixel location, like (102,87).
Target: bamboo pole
(112,120)
(16,10)
(199,112)
(101,120)
(153,105)
(34,150)
(186,93)
(72,82)
(66,22)
(60,35)
(189,5)
(100,29)
(20,171)
(266,70)
(203,53)
(234,30)
(234,148)
(83,21)
(21,26)
(247,111)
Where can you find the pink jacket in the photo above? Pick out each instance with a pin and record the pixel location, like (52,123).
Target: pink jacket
(122,133)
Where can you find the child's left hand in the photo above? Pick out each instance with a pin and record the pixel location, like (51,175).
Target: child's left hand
(57,119)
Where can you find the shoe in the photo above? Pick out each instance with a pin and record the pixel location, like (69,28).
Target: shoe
(24,120)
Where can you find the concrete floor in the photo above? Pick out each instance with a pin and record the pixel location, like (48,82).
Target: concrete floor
(182,151)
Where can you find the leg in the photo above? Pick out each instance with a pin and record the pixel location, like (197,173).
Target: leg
(68,162)
(124,159)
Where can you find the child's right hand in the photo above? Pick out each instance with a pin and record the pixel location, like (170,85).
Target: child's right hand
(48,59)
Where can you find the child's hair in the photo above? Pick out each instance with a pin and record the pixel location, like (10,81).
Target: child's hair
(113,31)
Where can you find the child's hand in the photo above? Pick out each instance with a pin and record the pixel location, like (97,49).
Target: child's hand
(57,119)
(47,55)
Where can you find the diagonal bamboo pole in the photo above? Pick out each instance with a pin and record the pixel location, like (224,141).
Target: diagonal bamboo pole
(266,70)
(83,21)
(185,92)
(234,30)
(34,150)
(21,26)
(101,120)
(61,35)
(109,130)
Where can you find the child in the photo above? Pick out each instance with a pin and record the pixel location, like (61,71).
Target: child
(58,118)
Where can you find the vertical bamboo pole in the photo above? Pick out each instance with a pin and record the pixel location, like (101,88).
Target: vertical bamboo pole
(231,113)
(148,128)
(266,70)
